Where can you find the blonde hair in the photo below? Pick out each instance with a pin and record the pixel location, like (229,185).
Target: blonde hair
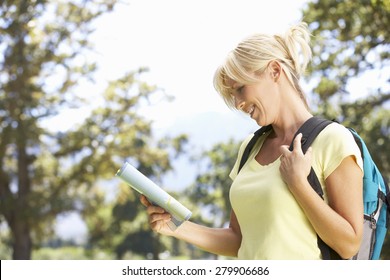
(253,54)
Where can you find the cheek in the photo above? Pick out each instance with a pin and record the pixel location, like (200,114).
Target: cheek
(268,96)
(263,97)
(267,105)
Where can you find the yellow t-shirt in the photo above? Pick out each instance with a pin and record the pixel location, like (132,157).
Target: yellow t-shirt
(273,225)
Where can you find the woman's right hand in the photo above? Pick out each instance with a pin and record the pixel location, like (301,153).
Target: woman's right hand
(220,241)
(157,216)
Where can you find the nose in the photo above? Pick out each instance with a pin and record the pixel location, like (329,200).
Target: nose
(239,103)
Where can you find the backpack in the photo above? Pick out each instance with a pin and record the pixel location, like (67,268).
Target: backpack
(376,194)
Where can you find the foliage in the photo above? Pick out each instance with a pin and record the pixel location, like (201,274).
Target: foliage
(67,253)
(351,37)
(210,191)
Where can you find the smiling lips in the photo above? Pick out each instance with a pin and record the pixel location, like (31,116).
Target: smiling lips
(250,110)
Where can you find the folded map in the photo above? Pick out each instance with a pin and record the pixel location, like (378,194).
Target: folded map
(155,194)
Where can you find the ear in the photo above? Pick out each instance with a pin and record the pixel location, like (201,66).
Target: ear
(275,69)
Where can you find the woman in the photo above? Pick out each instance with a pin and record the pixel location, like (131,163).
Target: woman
(276,213)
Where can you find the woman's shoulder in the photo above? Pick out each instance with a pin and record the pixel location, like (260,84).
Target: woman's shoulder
(335,131)
(336,140)
(333,144)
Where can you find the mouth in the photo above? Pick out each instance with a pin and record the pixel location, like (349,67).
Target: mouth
(250,110)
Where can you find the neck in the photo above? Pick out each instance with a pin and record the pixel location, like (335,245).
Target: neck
(290,117)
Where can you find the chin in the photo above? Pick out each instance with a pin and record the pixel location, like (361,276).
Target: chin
(259,122)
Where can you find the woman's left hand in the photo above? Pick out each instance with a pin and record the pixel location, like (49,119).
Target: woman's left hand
(295,166)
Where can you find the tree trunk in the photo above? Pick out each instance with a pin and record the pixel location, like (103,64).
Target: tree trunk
(22,243)
(156,247)
(21,240)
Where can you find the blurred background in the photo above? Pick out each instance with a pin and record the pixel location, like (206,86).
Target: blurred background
(86,85)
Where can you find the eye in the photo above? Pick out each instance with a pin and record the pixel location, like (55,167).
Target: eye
(240,89)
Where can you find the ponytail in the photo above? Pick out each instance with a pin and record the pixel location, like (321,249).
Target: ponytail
(296,43)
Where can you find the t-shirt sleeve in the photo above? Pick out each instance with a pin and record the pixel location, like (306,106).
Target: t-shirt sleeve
(336,143)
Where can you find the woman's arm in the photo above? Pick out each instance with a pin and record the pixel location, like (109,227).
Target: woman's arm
(339,224)
(220,241)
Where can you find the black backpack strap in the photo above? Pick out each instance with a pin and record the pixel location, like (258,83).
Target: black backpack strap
(387,193)
(252,143)
(310,129)
(386,199)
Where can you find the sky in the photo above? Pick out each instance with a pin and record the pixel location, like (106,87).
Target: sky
(182,42)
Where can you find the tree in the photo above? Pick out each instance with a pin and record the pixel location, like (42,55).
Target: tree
(35,46)
(351,42)
(45,56)
(112,134)
(210,192)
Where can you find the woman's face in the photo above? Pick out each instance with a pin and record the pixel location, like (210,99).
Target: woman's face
(258,100)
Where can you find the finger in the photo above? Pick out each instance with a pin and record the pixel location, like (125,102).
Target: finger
(297,143)
(284,150)
(155,218)
(153,209)
(309,151)
(159,225)
(145,201)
